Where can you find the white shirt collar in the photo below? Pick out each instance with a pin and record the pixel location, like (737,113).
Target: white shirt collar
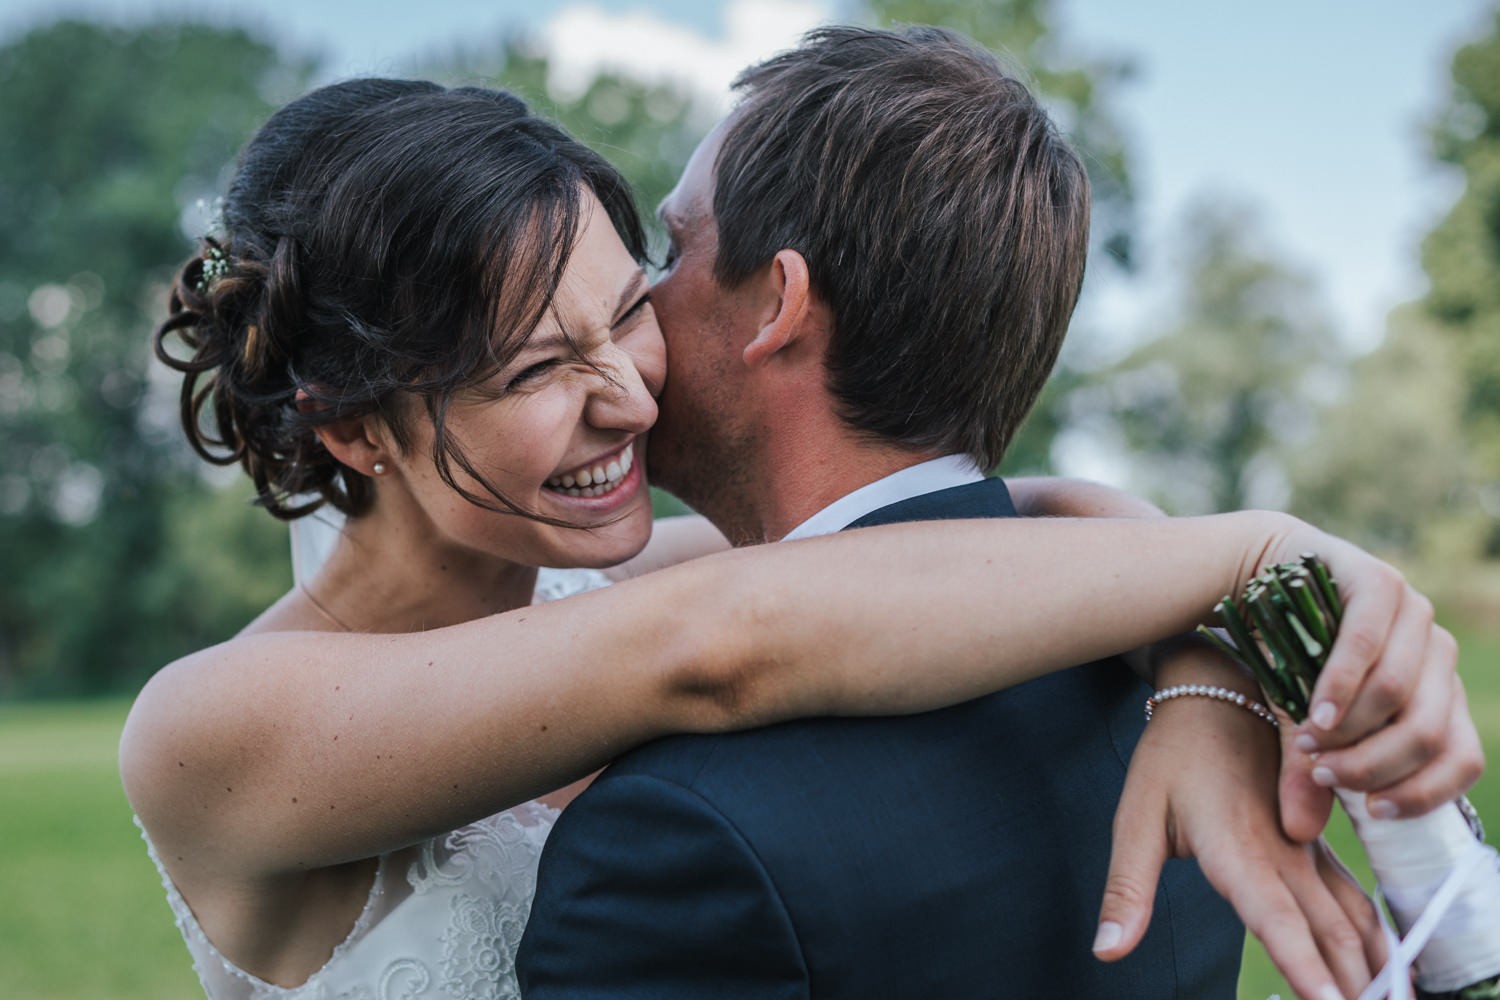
(912,481)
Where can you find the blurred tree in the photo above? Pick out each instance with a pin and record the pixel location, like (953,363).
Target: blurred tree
(1208,412)
(1403,408)
(1462,257)
(647,130)
(111,135)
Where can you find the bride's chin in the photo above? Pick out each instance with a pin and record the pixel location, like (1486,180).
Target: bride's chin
(608,545)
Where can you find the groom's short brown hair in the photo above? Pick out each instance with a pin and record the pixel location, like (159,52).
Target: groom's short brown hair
(942,217)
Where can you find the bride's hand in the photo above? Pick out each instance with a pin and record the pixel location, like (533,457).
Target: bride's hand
(1390,718)
(1388,715)
(1202,783)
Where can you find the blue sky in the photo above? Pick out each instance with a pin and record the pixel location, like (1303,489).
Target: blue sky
(1309,110)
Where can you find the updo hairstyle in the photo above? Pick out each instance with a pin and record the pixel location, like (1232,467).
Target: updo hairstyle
(380,237)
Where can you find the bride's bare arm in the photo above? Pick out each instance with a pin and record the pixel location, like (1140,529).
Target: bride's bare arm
(274,753)
(1055,496)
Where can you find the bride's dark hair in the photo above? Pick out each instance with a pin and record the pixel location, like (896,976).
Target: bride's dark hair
(380,237)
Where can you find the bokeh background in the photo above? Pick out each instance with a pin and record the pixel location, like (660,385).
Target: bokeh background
(1294,302)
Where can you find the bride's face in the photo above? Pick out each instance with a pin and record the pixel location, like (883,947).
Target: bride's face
(560,429)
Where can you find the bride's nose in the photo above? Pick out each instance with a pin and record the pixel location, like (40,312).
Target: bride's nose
(621,399)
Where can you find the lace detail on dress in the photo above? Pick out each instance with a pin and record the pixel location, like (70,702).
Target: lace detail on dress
(211,965)
(450,932)
(555,584)
(489,872)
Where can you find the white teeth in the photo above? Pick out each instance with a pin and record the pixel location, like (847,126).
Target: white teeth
(598,480)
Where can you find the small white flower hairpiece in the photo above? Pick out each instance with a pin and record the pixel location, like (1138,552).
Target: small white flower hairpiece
(215,266)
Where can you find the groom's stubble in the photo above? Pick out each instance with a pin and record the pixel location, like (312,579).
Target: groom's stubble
(707,439)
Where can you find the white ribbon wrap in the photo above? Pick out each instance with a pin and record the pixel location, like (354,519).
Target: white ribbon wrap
(1443,888)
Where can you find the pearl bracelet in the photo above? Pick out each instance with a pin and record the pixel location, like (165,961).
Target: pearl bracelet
(1209,691)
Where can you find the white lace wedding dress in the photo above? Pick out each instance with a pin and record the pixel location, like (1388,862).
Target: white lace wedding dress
(443,919)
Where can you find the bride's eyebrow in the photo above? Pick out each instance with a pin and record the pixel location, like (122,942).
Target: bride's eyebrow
(547,342)
(629,292)
(635,287)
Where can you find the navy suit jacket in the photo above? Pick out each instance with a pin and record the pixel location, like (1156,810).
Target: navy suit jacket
(954,854)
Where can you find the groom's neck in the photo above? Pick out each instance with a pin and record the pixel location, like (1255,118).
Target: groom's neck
(801,457)
(802,476)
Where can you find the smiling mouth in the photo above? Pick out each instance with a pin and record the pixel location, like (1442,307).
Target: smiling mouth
(597,479)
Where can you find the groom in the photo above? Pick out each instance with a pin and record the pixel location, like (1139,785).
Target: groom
(874,262)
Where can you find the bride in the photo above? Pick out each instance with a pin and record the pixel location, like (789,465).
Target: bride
(426,312)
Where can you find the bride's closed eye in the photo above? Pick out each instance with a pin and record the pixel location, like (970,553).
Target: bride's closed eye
(530,374)
(636,311)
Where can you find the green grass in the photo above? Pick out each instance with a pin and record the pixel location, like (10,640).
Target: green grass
(82,912)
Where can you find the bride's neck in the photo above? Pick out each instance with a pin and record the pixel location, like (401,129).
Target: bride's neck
(380,579)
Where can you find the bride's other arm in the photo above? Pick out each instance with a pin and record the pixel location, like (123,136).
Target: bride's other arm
(1060,496)
(673,540)
(1203,784)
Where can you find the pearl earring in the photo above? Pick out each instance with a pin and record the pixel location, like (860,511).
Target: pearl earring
(378,468)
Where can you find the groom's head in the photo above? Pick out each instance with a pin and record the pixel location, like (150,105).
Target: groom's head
(936,217)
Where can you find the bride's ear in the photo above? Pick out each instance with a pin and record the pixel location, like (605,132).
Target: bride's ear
(787,314)
(357,442)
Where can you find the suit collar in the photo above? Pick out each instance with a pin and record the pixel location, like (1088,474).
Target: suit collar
(986,498)
(913,481)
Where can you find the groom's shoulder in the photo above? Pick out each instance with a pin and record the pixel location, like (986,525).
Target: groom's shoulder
(702,760)
(791,760)
(1088,716)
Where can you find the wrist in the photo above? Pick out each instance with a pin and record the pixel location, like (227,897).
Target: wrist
(1188,658)
(1211,692)
(1268,531)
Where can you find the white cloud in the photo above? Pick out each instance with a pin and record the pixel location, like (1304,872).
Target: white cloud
(583,39)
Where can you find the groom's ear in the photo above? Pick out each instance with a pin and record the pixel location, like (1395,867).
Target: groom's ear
(789,306)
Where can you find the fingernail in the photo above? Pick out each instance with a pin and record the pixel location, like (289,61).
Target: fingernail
(1109,935)
(1382,809)
(1324,776)
(1330,992)
(1306,742)
(1323,713)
